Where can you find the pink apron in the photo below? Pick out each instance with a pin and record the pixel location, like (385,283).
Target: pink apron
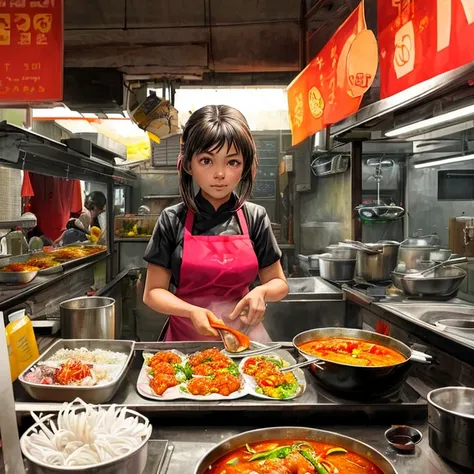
(216,272)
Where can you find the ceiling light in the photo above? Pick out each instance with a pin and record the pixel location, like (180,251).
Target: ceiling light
(431,122)
(444,161)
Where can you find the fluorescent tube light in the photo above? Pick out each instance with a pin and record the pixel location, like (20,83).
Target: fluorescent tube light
(444,161)
(431,122)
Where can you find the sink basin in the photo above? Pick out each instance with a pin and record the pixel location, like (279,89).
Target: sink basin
(312,288)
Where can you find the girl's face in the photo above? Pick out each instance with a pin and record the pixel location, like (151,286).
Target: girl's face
(217,173)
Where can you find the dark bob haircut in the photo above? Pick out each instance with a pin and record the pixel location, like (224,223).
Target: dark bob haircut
(210,129)
(95,199)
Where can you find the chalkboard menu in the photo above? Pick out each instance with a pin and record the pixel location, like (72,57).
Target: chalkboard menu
(267,148)
(268,151)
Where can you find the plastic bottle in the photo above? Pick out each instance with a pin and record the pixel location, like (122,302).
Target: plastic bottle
(22,339)
(14,372)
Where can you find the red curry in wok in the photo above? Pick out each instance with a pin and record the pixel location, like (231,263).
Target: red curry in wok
(289,456)
(351,351)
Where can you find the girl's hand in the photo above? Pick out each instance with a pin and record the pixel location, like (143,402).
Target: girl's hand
(251,308)
(201,319)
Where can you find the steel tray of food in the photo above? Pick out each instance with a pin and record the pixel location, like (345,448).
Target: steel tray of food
(17,273)
(91,369)
(75,254)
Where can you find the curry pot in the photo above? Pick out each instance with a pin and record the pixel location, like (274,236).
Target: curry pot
(359,382)
(293,432)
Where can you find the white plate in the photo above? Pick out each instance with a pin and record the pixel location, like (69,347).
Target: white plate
(282,356)
(175,393)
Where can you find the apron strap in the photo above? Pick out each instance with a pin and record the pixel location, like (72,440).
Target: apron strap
(242,222)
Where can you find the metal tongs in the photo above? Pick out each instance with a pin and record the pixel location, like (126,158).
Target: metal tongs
(316,362)
(360,246)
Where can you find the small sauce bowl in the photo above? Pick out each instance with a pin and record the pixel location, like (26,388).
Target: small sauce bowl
(403,438)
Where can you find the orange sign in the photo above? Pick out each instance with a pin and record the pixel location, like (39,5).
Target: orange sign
(31,51)
(331,87)
(420,39)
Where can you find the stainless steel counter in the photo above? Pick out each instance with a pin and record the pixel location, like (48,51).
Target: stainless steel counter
(314,404)
(191,442)
(194,427)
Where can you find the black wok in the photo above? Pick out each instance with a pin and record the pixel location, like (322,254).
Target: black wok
(359,382)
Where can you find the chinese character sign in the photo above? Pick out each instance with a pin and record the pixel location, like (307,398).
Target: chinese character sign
(332,86)
(31,51)
(420,39)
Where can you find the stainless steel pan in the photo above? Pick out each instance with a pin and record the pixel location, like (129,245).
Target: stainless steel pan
(292,432)
(444,282)
(97,394)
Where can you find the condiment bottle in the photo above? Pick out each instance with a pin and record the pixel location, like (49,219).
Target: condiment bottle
(22,340)
(14,372)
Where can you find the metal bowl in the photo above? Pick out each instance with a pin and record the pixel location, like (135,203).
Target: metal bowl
(133,462)
(403,438)
(444,282)
(451,424)
(15,278)
(292,432)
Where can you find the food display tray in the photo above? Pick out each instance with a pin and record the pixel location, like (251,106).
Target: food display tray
(97,394)
(248,383)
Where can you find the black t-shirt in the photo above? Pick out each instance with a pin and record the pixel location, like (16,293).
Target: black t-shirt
(166,244)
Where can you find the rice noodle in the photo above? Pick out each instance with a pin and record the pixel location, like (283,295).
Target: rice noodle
(85,435)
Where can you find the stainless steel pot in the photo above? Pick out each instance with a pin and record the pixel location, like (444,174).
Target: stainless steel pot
(292,432)
(342,251)
(451,424)
(89,317)
(337,269)
(409,258)
(375,262)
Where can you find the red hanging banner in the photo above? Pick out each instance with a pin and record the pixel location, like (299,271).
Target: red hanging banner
(331,87)
(420,39)
(31,50)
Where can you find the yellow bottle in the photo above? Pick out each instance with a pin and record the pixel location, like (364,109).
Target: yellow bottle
(13,364)
(22,339)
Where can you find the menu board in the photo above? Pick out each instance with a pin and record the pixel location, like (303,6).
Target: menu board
(268,152)
(267,148)
(31,50)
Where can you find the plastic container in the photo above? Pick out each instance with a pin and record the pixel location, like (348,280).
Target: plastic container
(22,340)
(14,372)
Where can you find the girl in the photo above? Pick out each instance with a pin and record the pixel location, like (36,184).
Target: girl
(212,246)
